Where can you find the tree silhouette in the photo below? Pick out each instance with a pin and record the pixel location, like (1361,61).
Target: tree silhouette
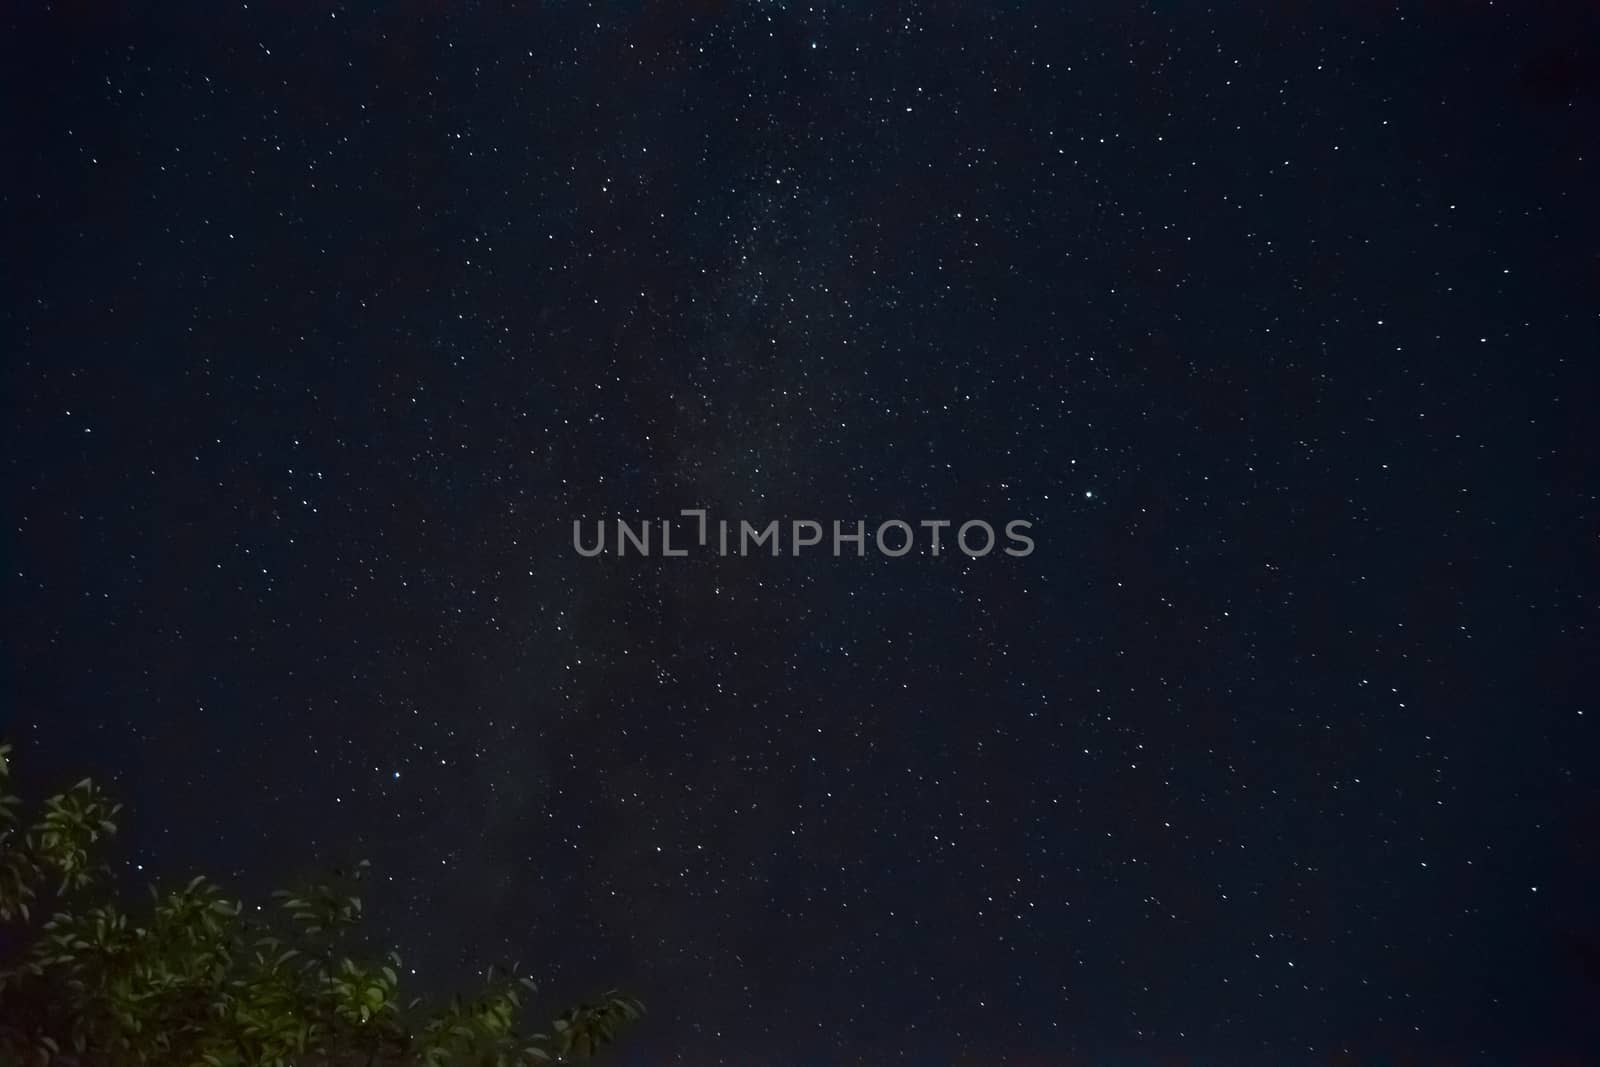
(194,979)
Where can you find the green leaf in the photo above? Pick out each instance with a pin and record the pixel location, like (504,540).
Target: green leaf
(192,978)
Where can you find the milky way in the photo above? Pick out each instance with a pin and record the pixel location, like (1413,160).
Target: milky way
(323,327)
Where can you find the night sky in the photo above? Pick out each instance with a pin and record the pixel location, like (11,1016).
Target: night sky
(322,324)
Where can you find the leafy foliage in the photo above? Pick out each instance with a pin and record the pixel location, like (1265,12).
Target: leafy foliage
(197,980)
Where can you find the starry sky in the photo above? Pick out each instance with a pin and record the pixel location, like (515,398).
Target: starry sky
(322,323)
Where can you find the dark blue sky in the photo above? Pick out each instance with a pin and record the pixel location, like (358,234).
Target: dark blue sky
(322,324)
